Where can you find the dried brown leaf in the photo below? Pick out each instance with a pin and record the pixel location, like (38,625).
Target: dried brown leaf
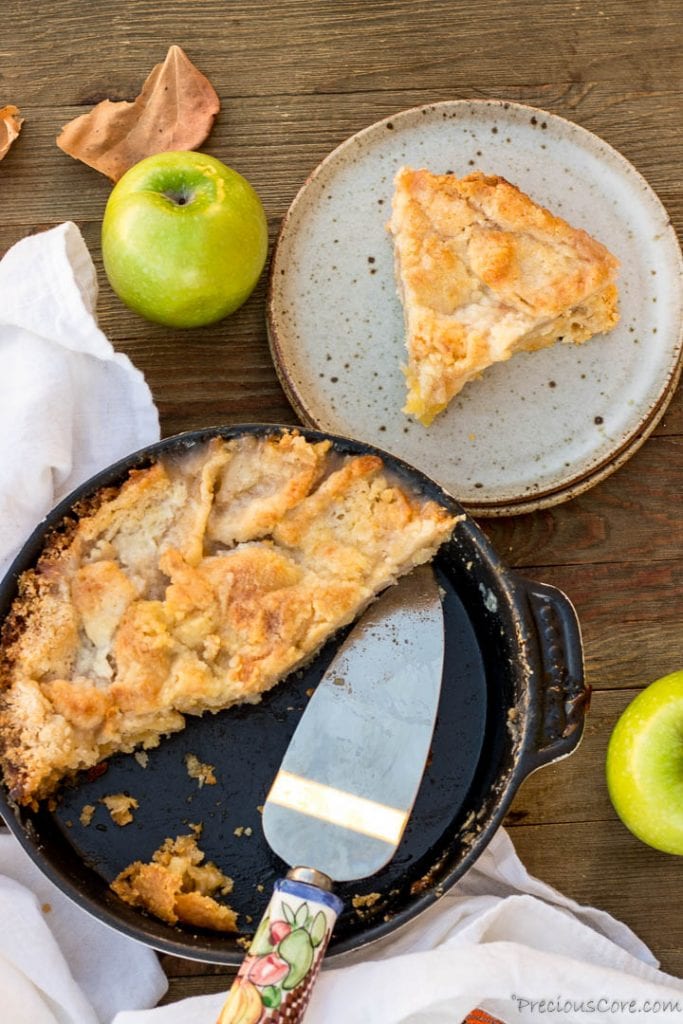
(10,126)
(175,110)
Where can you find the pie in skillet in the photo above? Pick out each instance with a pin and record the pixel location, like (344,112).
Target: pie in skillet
(199,583)
(483,272)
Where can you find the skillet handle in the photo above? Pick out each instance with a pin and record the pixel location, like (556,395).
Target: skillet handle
(561,697)
(276,978)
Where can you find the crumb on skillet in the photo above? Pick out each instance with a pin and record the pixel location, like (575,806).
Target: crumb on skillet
(177,887)
(367,901)
(121,807)
(199,770)
(86,814)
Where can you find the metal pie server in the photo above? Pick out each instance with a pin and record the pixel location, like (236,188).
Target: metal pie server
(344,793)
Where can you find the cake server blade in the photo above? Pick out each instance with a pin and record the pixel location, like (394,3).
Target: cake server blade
(349,778)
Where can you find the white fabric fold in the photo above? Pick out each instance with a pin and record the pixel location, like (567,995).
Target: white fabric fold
(59,958)
(69,404)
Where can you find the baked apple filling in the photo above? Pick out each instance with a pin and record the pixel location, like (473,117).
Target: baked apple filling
(199,583)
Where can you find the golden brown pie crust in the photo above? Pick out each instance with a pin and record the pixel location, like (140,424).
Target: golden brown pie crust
(199,583)
(483,272)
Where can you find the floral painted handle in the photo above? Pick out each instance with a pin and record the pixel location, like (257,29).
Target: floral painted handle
(275,981)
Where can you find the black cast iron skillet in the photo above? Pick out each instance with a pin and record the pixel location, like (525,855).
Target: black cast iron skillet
(513,699)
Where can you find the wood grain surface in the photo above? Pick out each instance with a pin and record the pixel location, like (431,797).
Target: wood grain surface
(296,78)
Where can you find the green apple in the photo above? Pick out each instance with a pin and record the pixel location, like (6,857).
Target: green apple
(184,239)
(645,765)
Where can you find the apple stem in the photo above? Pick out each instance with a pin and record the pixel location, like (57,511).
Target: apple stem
(179,198)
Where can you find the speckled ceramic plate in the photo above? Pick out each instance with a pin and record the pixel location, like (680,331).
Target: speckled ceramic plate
(537,429)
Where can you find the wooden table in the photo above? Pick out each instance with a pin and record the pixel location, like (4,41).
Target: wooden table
(295,78)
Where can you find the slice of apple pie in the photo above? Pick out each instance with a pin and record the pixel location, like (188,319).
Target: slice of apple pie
(483,272)
(199,583)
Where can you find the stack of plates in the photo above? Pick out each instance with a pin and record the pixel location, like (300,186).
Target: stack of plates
(531,432)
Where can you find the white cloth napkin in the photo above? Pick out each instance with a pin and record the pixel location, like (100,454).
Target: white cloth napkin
(58,964)
(501,940)
(69,404)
